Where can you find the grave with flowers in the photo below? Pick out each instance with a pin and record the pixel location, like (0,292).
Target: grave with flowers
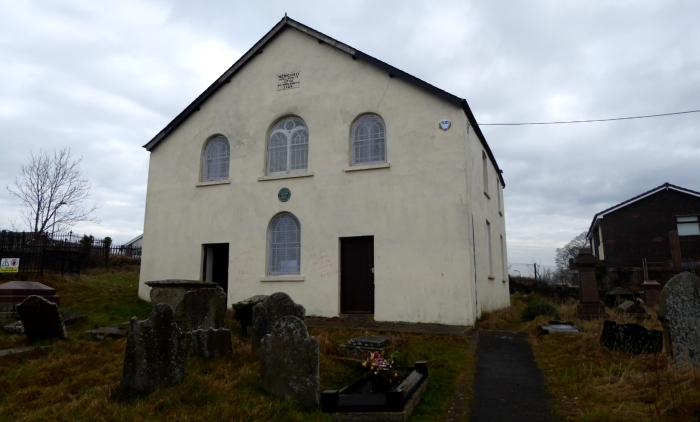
(384,388)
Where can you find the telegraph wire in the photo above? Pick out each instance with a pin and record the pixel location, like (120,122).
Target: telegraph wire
(589,121)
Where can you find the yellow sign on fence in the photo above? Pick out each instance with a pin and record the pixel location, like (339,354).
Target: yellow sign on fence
(9,265)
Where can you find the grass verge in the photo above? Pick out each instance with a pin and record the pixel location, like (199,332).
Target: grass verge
(588,382)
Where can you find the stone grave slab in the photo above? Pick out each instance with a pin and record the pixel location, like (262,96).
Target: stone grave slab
(41,319)
(205,308)
(244,311)
(14,292)
(212,343)
(290,362)
(559,327)
(117,331)
(362,346)
(267,312)
(679,313)
(157,352)
(632,338)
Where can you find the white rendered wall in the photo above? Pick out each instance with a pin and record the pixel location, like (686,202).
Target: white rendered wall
(419,210)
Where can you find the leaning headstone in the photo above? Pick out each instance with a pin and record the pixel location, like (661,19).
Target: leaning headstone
(157,351)
(632,338)
(212,343)
(290,362)
(205,308)
(679,313)
(268,311)
(41,319)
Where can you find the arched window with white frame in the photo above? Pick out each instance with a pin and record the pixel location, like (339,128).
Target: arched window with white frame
(215,159)
(284,245)
(288,147)
(368,140)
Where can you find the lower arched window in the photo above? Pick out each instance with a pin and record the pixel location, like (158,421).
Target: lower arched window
(215,160)
(284,245)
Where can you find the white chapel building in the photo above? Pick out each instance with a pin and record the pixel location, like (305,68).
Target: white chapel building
(314,169)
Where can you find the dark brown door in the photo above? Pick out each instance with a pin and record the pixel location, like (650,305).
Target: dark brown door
(357,275)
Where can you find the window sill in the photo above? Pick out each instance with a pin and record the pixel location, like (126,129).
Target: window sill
(487,194)
(368,167)
(491,278)
(283,278)
(285,176)
(214,182)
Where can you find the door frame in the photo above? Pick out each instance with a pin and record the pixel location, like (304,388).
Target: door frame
(343,271)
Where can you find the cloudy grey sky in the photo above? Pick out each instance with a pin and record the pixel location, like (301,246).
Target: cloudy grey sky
(104,77)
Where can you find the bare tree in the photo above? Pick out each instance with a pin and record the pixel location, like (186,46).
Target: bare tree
(570,250)
(52,190)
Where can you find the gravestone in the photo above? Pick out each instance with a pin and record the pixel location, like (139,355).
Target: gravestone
(69,318)
(205,308)
(41,319)
(632,338)
(679,313)
(157,351)
(652,292)
(290,362)
(268,311)
(212,343)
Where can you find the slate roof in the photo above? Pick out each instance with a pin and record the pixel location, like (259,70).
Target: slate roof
(665,186)
(282,25)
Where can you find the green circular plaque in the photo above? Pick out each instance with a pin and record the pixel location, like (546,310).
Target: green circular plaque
(284,194)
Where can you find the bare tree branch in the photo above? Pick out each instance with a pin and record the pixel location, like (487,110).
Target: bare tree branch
(52,190)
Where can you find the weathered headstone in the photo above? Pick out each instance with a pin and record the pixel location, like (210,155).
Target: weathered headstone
(652,292)
(268,311)
(631,338)
(212,343)
(157,351)
(41,319)
(679,313)
(290,362)
(205,308)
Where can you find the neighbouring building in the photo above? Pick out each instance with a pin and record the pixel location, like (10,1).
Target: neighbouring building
(317,170)
(632,237)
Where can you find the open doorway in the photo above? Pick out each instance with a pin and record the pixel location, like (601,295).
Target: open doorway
(357,275)
(215,268)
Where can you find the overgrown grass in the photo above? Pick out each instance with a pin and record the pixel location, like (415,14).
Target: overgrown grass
(588,382)
(79,379)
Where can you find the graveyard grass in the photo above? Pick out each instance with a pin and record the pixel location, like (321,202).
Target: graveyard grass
(79,379)
(588,382)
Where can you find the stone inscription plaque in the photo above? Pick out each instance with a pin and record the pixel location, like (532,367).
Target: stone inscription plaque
(287,80)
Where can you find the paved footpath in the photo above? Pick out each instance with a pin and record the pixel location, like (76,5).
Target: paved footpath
(508,385)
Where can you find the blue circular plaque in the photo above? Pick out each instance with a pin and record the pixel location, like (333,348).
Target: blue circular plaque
(284,194)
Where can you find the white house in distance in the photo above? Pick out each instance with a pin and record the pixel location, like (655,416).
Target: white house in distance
(314,169)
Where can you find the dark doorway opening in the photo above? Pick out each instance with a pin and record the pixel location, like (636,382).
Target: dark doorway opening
(216,264)
(357,275)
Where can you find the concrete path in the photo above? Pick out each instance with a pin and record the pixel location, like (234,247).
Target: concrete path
(508,385)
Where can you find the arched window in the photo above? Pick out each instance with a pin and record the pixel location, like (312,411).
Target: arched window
(288,147)
(215,160)
(284,245)
(368,140)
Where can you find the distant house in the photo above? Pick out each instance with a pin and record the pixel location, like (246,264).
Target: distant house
(133,247)
(632,237)
(314,169)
